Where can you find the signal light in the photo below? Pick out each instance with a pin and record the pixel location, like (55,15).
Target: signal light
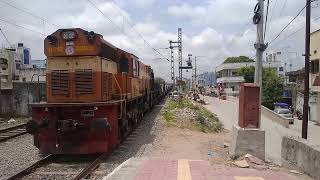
(90,35)
(52,39)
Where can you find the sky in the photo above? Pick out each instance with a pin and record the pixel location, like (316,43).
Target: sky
(212,29)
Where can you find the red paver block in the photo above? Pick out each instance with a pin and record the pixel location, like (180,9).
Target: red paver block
(202,170)
(158,170)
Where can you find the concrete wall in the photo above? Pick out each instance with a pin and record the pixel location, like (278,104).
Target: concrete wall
(274,117)
(15,102)
(302,155)
(32,75)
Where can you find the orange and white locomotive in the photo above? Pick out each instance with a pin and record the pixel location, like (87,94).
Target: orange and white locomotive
(96,93)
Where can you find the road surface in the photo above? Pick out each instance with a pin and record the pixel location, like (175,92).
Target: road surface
(227,111)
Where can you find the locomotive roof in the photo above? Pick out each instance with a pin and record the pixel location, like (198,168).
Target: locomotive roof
(80,29)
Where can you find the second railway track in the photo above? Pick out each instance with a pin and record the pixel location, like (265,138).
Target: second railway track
(12,132)
(61,167)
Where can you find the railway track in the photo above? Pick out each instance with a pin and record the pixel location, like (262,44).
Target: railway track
(42,170)
(12,132)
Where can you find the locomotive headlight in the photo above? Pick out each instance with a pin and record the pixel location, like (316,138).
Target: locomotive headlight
(68,35)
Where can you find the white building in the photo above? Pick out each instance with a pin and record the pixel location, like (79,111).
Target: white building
(227,74)
(15,67)
(314,105)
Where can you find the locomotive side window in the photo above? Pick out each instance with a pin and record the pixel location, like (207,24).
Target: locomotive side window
(124,64)
(136,68)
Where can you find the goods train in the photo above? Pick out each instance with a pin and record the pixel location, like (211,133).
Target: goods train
(96,94)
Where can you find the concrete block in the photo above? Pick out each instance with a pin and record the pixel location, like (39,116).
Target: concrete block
(247,141)
(298,153)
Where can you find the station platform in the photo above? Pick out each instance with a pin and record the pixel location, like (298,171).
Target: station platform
(182,169)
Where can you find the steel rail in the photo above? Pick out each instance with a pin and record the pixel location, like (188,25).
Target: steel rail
(91,167)
(32,167)
(12,132)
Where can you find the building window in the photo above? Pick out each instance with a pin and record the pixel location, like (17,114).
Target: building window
(315,66)
(234,73)
(280,69)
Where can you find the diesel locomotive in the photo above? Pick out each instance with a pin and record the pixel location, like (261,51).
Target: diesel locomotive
(96,94)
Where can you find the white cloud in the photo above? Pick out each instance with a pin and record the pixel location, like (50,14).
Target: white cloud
(188,11)
(207,39)
(143,3)
(215,12)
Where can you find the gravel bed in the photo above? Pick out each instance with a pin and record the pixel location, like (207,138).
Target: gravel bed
(140,143)
(17,121)
(17,154)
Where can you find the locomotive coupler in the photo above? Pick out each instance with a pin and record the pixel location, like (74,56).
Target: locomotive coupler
(68,125)
(33,127)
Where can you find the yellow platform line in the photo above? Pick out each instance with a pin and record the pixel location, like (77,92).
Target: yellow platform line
(248,178)
(183,170)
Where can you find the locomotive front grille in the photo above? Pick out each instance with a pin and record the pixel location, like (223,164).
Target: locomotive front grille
(60,82)
(84,81)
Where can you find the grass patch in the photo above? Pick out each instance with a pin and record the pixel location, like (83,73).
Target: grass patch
(199,118)
(169,118)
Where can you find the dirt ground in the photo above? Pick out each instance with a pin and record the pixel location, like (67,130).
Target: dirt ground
(179,143)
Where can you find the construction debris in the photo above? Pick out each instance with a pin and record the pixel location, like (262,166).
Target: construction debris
(296,172)
(241,164)
(11,120)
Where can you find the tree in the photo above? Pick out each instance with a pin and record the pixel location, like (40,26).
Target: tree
(239,59)
(272,88)
(272,84)
(247,73)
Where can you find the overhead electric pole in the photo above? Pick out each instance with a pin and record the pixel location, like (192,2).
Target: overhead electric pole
(180,52)
(172,64)
(306,73)
(176,44)
(260,47)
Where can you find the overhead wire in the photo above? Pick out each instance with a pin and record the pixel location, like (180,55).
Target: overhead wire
(121,30)
(293,33)
(5,37)
(265,25)
(287,25)
(273,10)
(282,9)
(17,25)
(27,12)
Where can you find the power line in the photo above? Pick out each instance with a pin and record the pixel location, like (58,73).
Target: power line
(14,24)
(287,25)
(282,9)
(5,37)
(27,12)
(121,30)
(132,26)
(244,27)
(265,25)
(317,18)
(273,10)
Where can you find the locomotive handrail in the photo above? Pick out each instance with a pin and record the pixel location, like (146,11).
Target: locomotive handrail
(38,87)
(120,94)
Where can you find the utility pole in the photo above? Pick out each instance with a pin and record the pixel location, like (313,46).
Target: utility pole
(176,44)
(172,64)
(260,47)
(306,73)
(195,72)
(180,52)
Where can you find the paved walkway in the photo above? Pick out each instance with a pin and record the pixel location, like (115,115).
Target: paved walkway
(227,111)
(182,169)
